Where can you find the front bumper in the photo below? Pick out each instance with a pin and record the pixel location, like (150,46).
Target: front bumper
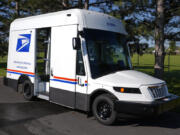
(148,108)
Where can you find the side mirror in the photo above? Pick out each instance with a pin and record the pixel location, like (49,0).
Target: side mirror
(76,42)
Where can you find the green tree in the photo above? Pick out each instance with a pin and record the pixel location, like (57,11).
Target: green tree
(3,48)
(4,26)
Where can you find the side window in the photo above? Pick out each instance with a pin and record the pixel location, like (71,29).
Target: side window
(79,63)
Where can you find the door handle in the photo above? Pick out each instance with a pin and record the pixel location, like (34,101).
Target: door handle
(80,82)
(52,72)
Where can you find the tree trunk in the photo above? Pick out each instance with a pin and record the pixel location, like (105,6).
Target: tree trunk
(17,8)
(86,4)
(159,40)
(65,4)
(80,4)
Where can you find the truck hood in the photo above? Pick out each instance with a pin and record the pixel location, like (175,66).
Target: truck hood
(128,78)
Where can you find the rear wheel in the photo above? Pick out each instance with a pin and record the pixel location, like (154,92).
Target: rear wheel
(103,109)
(28,90)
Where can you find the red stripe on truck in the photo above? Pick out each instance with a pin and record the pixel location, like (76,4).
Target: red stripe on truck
(24,72)
(63,78)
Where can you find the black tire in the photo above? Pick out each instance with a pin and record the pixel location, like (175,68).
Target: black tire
(103,109)
(28,90)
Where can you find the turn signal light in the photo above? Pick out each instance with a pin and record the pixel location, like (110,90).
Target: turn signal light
(127,90)
(122,90)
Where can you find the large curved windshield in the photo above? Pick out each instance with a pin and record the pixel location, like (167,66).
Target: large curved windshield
(107,52)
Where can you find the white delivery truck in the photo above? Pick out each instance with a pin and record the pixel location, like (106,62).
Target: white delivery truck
(79,59)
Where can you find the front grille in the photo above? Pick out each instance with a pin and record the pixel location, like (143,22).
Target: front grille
(158,91)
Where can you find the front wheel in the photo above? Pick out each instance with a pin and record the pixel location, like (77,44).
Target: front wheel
(103,109)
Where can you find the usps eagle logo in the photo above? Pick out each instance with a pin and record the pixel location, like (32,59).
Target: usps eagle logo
(23,43)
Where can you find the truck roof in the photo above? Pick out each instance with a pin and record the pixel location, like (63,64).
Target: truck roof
(84,18)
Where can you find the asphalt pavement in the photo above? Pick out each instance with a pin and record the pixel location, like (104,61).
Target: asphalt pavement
(20,117)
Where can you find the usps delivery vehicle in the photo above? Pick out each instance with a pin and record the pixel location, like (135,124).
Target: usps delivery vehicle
(80,59)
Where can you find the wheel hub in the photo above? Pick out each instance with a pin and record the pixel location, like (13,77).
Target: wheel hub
(104,110)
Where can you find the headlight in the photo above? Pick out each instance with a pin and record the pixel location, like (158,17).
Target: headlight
(127,90)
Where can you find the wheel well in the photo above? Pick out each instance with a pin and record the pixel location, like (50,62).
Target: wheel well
(96,94)
(22,78)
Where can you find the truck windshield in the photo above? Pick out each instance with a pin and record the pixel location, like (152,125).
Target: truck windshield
(107,52)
